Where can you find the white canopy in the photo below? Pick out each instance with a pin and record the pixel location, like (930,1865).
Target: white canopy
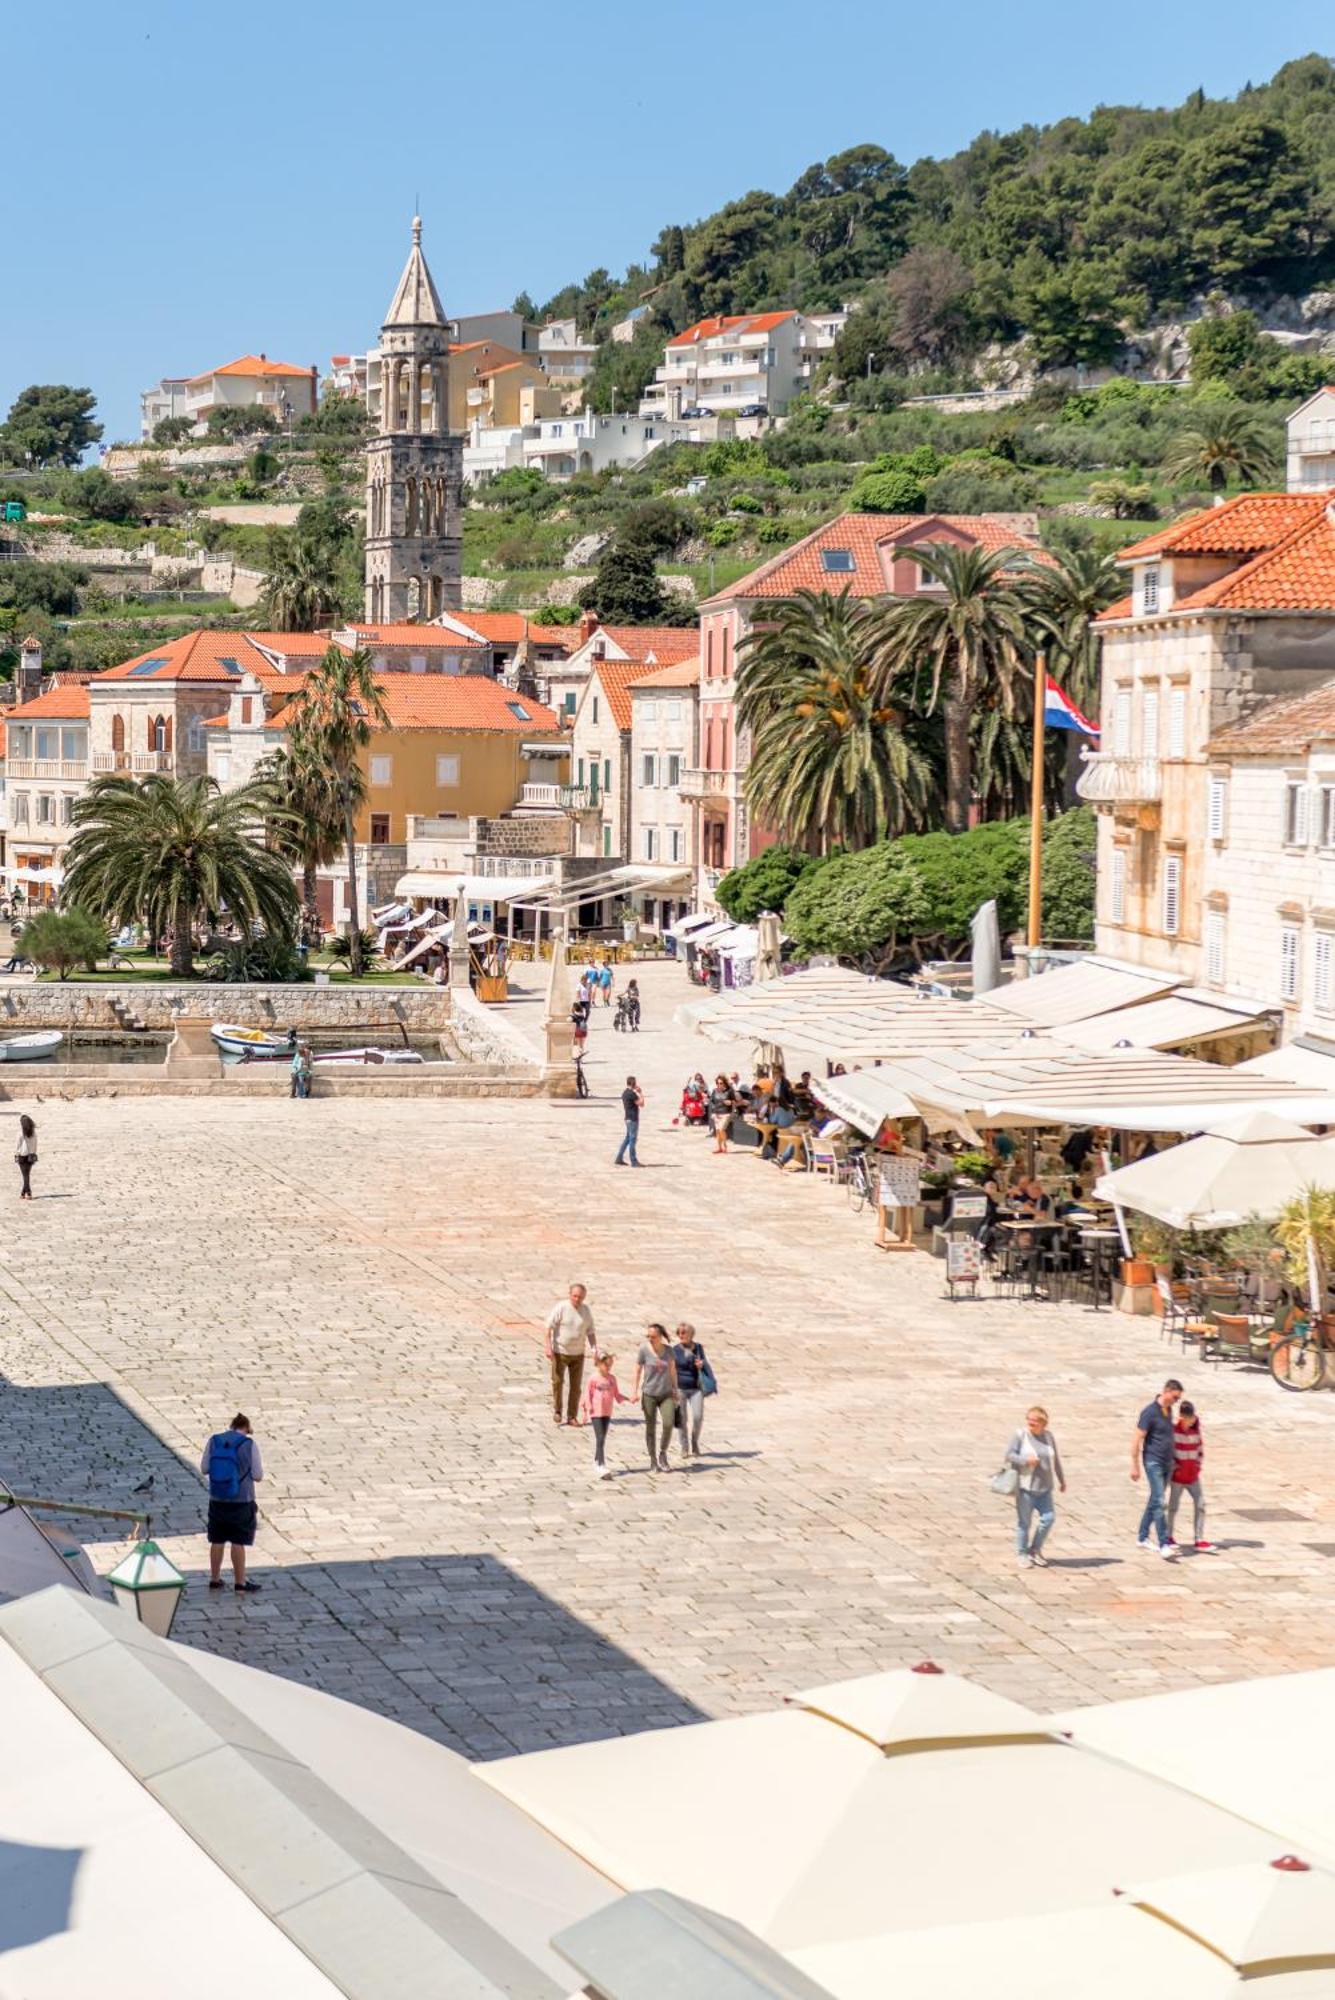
(1162,1024)
(1074,992)
(1303,1060)
(686,927)
(864,1100)
(1246,1166)
(474,888)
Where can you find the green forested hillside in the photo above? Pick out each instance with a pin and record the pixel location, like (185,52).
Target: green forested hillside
(1065,232)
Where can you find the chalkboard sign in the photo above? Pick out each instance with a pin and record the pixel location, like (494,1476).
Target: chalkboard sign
(900,1183)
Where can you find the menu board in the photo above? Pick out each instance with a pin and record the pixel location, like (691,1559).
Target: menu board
(964,1260)
(900,1183)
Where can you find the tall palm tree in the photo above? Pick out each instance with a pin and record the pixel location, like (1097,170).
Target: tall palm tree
(1229,443)
(831,762)
(301,585)
(1063,597)
(167,851)
(306,823)
(333,719)
(959,646)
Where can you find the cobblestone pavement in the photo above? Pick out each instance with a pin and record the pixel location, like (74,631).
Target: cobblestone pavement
(366,1280)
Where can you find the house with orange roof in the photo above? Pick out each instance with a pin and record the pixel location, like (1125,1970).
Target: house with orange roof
(253,382)
(736,364)
(600,757)
(653,645)
(46,772)
(868,555)
(1229,612)
(663,709)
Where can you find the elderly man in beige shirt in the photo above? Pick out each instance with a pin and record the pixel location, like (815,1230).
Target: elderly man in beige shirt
(569,1337)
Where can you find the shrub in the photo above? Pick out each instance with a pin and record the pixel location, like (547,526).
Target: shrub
(762,883)
(58,940)
(858,905)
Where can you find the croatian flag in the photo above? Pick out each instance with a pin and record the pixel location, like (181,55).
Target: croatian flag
(1060,712)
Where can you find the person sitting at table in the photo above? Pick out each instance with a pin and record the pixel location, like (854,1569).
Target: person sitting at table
(802,1099)
(781,1089)
(1077,1149)
(1031,1200)
(1069,1203)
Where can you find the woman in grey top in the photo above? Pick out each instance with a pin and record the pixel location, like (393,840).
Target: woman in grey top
(1036,1461)
(656,1386)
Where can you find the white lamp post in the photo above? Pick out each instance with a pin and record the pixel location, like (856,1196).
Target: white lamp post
(148,1585)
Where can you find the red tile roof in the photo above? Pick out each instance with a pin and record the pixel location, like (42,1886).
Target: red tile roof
(67,704)
(664,642)
(615,678)
(1242,526)
(506,628)
(252,364)
(682,674)
(868,540)
(1281,727)
(463,701)
(419,638)
(734,323)
(195,656)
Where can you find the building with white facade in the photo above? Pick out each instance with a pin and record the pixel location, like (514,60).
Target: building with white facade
(663,709)
(564,356)
(560,446)
(165,399)
(742,364)
(562,682)
(253,382)
(46,772)
(1311,444)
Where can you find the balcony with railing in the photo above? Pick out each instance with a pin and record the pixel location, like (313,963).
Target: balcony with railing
(1108,780)
(580,798)
(48,767)
(708,787)
(133,763)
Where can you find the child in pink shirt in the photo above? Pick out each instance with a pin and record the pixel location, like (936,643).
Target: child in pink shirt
(601,1395)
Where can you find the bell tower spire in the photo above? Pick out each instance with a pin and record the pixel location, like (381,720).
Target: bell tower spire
(414,466)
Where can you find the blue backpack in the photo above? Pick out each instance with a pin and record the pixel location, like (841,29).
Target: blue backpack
(227,1466)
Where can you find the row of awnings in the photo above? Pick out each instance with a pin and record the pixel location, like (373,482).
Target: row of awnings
(1027,1054)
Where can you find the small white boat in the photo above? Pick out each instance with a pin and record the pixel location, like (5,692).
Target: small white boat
(249,1041)
(367,1056)
(31,1047)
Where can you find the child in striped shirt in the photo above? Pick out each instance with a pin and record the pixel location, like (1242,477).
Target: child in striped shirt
(1188,1452)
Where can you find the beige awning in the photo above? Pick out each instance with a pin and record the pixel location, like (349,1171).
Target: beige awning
(1167,1023)
(1074,992)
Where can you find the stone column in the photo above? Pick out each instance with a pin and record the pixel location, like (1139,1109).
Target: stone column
(559,1069)
(415,397)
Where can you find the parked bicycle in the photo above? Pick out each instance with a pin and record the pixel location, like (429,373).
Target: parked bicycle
(860,1184)
(1301,1358)
(581,1081)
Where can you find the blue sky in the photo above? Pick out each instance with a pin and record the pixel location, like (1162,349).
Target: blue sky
(189,182)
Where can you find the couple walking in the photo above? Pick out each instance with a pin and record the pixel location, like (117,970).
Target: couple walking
(668,1379)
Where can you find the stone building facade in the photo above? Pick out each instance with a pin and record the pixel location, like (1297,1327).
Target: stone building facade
(414,467)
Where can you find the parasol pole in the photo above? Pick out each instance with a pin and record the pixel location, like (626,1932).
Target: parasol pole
(1036,809)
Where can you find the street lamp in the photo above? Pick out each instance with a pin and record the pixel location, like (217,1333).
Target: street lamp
(148,1585)
(870,359)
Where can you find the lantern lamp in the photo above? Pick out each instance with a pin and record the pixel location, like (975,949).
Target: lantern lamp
(148,1585)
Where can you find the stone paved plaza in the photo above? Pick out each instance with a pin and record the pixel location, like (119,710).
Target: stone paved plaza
(367,1281)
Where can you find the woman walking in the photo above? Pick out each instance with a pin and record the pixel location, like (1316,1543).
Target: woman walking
(722,1104)
(1033,1456)
(656,1387)
(26,1156)
(693,1372)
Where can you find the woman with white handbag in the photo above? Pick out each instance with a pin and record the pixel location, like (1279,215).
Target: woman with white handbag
(1030,1470)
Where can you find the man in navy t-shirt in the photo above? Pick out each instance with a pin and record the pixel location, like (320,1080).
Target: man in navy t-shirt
(1152,1447)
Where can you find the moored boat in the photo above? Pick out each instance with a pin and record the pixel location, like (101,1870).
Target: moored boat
(368,1056)
(31,1047)
(249,1041)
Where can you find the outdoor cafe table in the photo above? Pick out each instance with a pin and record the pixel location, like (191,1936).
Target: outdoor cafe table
(1096,1238)
(1018,1226)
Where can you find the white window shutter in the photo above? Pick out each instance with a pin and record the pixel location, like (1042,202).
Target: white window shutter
(1214,947)
(1218,796)
(1288,962)
(1118,896)
(1150,724)
(1301,815)
(1177,722)
(1172,894)
(1121,731)
(1322,948)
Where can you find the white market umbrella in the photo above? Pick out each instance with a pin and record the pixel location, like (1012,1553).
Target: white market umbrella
(923,1708)
(1264,1918)
(1250,1165)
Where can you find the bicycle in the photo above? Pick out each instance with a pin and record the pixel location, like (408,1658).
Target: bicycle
(859,1183)
(581,1081)
(1298,1359)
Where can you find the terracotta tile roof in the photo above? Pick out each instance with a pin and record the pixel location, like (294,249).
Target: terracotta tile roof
(68,704)
(1242,526)
(1281,727)
(293,645)
(252,364)
(506,628)
(867,540)
(195,656)
(1298,574)
(1119,608)
(664,642)
(682,674)
(615,678)
(734,323)
(463,701)
(419,638)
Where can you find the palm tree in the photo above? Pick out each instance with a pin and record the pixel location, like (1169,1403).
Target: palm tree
(1229,443)
(830,760)
(960,646)
(305,824)
(333,720)
(1063,597)
(166,851)
(301,586)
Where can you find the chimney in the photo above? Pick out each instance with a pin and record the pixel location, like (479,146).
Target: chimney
(30,669)
(588,625)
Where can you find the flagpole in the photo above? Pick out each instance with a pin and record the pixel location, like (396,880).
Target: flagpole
(1036,808)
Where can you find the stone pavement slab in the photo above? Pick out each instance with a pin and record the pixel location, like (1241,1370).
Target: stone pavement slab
(367,1280)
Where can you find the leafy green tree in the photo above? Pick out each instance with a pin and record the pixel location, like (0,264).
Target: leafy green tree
(858,906)
(49,587)
(623,369)
(626,589)
(1125,499)
(58,940)
(1069,865)
(524,306)
(341,417)
(334,718)
(655,525)
(1064,596)
(831,759)
(167,852)
(1228,443)
(1134,220)
(961,871)
(1224,344)
(1069,311)
(896,492)
(172,430)
(864,345)
(762,883)
(1249,201)
(962,645)
(50,424)
(96,496)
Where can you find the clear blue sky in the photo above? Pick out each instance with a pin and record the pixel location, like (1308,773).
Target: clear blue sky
(184,183)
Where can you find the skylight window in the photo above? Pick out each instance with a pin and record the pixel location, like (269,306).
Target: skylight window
(518,710)
(146,667)
(232,666)
(836,559)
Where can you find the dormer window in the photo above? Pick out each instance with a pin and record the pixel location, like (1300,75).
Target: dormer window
(1149,589)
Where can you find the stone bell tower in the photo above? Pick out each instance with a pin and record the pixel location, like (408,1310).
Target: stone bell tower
(414,468)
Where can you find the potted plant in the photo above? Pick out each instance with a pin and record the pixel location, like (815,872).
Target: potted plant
(1305,1231)
(1252,1245)
(1155,1246)
(629,922)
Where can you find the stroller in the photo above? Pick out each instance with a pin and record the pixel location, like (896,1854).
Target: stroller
(695,1104)
(623,1018)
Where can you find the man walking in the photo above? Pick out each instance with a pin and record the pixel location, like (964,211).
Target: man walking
(1152,1447)
(632,1104)
(231,1464)
(570,1336)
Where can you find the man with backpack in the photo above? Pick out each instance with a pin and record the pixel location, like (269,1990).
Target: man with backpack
(231,1464)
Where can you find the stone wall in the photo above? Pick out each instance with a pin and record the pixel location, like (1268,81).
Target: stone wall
(482,1035)
(525,834)
(423,1010)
